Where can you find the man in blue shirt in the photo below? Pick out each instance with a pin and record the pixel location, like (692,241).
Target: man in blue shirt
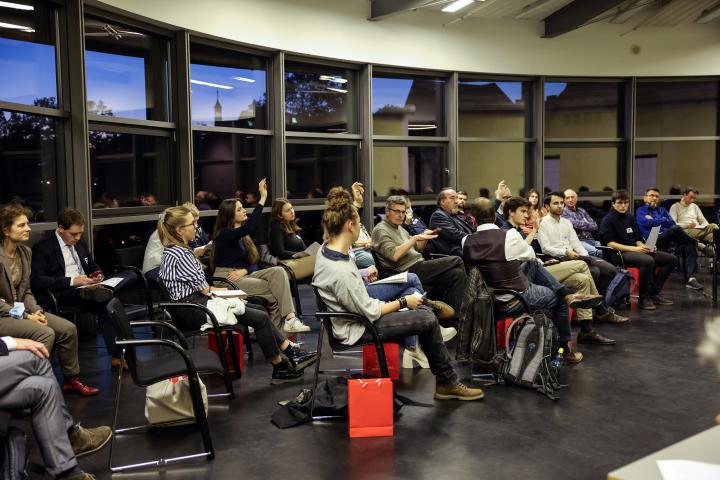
(653,215)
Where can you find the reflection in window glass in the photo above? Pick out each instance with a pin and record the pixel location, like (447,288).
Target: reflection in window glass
(129,170)
(126,72)
(676,109)
(409,170)
(27,55)
(28,170)
(228,89)
(408,105)
(107,238)
(494,109)
(312,170)
(576,110)
(228,165)
(582,169)
(484,164)
(319,99)
(664,164)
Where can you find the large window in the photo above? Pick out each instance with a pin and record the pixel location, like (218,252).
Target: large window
(583,110)
(683,163)
(408,105)
(494,109)
(320,98)
(229,89)
(409,170)
(484,164)
(313,169)
(677,109)
(582,169)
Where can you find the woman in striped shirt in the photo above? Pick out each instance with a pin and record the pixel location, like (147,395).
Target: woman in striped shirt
(185,281)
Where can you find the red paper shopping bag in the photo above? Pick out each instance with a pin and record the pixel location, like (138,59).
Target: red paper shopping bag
(238,340)
(371,365)
(370,407)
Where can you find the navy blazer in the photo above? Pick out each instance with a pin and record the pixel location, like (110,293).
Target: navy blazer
(48,264)
(453,231)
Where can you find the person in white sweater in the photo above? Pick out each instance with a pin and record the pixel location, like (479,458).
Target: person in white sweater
(688,215)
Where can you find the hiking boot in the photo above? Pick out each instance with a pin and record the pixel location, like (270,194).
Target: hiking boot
(295,325)
(415,354)
(300,358)
(85,441)
(458,392)
(442,310)
(660,300)
(594,338)
(694,284)
(646,304)
(571,358)
(448,333)
(610,316)
(580,300)
(284,372)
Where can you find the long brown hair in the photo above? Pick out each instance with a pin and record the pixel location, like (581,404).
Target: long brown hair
(338,210)
(538,205)
(170,220)
(226,219)
(290,226)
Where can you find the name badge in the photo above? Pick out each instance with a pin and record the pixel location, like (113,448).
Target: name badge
(629,230)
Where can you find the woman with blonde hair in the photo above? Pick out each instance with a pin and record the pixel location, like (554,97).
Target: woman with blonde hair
(184,279)
(235,257)
(285,242)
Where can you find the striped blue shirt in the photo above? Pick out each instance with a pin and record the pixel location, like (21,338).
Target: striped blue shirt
(181,272)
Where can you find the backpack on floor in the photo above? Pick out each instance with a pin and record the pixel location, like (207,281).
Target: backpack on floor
(13,451)
(531,344)
(619,289)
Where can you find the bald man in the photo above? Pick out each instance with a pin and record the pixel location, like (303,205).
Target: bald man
(583,223)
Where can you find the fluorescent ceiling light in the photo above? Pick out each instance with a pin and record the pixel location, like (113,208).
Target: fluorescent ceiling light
(339,90)
(329,78)
(16,6)
(214,85)
(15,27)
(244,79)
(457,5)
(421,127)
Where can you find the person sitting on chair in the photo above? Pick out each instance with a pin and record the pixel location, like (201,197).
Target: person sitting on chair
(451,228)
(33,323)
(688,215)
(341,288)
(183,276)
(285,241)
(582,222)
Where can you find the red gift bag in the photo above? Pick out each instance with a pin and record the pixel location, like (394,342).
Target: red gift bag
(501,332)
(370,407)
(238,339)
(371,366)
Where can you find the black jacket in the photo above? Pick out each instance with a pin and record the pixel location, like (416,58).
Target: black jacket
(453,230)
(48,264)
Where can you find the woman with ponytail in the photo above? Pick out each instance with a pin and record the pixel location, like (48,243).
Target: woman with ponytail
(235,257)
(341,287)
(183,276)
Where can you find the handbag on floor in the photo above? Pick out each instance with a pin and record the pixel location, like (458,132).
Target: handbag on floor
(170,400)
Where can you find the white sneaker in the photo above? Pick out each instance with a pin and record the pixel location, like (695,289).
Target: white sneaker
(295,325)
(415,354)
(448,333)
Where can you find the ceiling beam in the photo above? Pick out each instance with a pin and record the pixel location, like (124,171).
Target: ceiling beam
(575,14)
(530,9)
(627,11)
(709,14)
(380,9)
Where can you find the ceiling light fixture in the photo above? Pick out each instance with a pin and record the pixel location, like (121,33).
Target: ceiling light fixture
(457,5)
(244,79)
(338,90)
(214,85)
(16,6)
(421,127)
(12,26)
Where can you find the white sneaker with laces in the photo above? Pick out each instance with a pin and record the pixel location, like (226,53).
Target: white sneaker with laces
(295,325)
(448,333)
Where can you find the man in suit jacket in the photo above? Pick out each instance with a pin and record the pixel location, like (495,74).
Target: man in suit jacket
(27,382)
(452,228)
(62,264)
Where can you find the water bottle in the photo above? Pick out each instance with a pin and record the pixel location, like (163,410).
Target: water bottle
(557,361)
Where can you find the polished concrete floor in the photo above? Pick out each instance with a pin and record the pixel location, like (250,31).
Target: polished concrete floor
(622,403)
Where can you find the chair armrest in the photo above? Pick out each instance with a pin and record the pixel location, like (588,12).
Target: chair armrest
(216,326)
(439,255)
(53,301)
(610,251)
(161,324)
(514,293)
(289,272)
(222,280)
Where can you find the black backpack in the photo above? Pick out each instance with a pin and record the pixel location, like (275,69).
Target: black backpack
(476,325)
(531,344)
(619,289)
(13,451)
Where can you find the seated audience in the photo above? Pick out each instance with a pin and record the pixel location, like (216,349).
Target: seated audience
(62,264)
(502,195)
(285,241)
(507,261)
(688,215)
(342,289)
(397,250)
(535,213)
(363,246)
(413,224)
(183,276)
(582,222)
(620,231)
(463,212)
(235,257)
(32,322)
(27,382)
(449,226)
(652,215)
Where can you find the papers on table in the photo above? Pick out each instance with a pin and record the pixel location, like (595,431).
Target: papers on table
(229,293)
(111,282)
(653,237)
(311,250)
(688,469)
(399,278)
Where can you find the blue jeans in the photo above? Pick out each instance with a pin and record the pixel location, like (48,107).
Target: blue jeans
(392,291)
(591,247)
(363,258)
(543,293)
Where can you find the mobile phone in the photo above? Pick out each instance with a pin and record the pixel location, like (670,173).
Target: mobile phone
(96,275)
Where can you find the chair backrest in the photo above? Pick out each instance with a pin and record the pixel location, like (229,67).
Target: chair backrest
(164,293)
(123,331)
(130,256)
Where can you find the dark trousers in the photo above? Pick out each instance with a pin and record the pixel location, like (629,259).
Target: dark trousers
(651,282)
(602,272)
(255,316)
(396,326)
(684,243)
(446,273)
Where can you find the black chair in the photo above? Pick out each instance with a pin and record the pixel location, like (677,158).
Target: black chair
(131,258)
(382,270)
(324,316)
(294,290)
(179,360)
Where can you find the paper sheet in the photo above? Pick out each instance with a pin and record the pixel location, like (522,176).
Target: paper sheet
(111,282)
(688,470)
(399,278)
(229,293)
(653,237)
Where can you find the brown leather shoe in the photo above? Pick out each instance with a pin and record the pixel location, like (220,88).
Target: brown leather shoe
(594,338)
(458,392)
(580,300)
(74,384)
(85,441)
(611,316)
(660,300)
(442,310)
(571,358)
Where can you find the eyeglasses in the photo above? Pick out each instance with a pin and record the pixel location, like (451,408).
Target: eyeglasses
(399,212)
(194,224)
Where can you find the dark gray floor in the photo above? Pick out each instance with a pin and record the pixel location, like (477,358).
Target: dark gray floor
(623,402)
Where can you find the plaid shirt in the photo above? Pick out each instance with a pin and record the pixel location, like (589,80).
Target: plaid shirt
(583,224)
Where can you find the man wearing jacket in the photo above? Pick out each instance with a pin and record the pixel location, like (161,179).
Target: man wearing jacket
(653,215)
(452,228)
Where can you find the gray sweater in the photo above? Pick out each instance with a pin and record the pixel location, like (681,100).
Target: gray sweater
(342,289)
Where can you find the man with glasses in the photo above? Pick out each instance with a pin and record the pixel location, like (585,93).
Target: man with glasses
(398,250)
(653,215)
(63,266)
(620,231)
